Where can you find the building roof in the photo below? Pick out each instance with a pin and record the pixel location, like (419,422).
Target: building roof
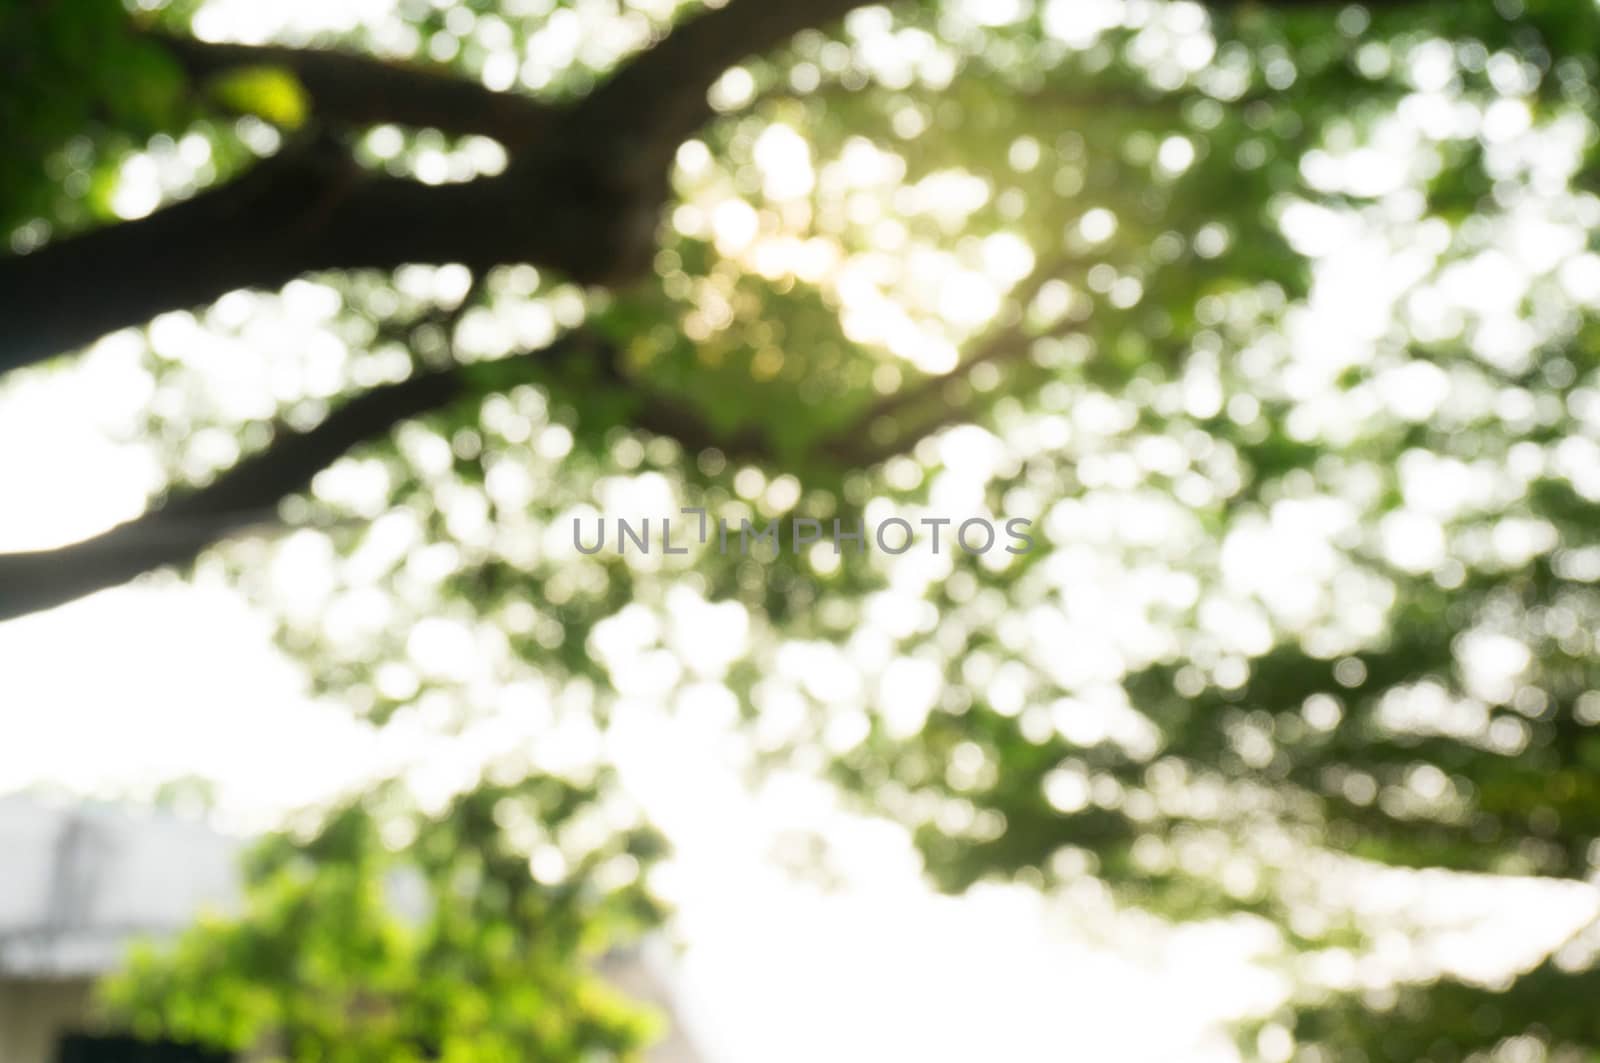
(80,881)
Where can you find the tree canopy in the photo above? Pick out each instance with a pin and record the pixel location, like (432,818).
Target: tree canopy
(1274,320)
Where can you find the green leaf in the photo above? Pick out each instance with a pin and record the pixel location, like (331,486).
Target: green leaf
(270,93)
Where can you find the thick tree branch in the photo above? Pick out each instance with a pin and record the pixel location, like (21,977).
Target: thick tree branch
(581,199)
(357,90)
(176,531)
(308,208)
(659,98)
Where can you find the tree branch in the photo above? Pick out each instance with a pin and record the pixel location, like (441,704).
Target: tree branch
(307,208)
(176,531)
(658,98)
(358,90)
(179,529)
(581,198)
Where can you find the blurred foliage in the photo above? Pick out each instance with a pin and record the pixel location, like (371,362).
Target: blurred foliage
(267,92)
(383,931)
(1289,335)
(77,89)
